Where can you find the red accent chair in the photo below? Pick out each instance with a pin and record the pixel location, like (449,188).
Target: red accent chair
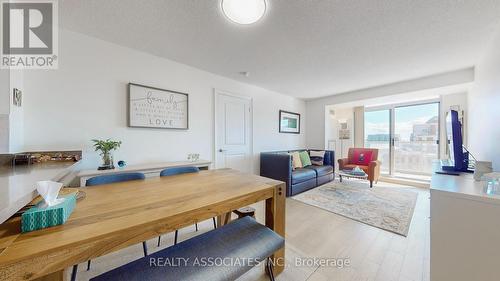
(366,159)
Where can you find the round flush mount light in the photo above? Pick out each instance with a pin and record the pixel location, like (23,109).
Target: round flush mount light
(244,11)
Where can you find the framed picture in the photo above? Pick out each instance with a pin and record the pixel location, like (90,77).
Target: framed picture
(344,132)
(17,97)
(150,107)
(289,122)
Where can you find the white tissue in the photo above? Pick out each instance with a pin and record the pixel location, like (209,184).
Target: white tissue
(49,191)
(357,169)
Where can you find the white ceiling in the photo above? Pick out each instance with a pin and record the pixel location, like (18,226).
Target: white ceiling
(303,48)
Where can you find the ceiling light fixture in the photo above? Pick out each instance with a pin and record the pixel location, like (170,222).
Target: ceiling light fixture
(244,11)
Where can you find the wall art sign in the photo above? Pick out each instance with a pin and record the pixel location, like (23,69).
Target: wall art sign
(289,122)
(150,107)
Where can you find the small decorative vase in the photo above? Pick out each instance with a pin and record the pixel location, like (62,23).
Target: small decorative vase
(493,187)
(107,161)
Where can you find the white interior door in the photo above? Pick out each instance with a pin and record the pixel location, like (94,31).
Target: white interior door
(233,132)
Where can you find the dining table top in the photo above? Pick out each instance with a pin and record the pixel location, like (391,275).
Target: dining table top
(114,216)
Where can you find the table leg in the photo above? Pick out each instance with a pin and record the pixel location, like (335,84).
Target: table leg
(223,219)
(340,178)
(275,220)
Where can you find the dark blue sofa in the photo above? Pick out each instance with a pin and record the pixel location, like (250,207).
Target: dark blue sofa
(278,165)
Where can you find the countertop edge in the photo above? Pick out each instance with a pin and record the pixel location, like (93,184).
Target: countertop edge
(61,176)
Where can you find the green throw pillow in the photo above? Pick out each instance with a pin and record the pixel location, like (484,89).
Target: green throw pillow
(305,159)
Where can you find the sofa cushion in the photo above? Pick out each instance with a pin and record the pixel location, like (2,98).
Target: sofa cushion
(321,170)
(324,179)
(303,186)
(296,163)
(302,174)
(361,157)
(304,158)
(317,157)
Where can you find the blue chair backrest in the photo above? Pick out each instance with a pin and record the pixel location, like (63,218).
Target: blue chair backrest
(178,171)
(106,179)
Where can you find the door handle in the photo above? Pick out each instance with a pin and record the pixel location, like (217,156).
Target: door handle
(222,150)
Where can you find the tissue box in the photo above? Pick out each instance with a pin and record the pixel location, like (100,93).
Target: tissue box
(37,217)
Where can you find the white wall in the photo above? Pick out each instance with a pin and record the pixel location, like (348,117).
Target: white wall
(11,117)
(315,108)
(86,98)
(484,107)
(16,117)
(4,110)
(4,91)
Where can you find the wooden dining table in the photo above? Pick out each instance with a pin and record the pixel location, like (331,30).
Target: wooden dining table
(114,216)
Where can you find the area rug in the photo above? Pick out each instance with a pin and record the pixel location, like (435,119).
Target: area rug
(387,208)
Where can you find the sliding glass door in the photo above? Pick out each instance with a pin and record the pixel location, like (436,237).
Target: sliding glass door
(378,135)
(416,133)
(407,137)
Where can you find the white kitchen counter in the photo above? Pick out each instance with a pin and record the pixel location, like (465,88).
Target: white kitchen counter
(463,186)
(17,184)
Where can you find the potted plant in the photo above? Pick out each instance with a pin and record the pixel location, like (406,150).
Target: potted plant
(105,149)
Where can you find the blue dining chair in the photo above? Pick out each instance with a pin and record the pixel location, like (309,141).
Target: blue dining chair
(177,171)
(107,179)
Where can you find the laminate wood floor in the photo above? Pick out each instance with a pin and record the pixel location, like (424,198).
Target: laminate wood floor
(374,254)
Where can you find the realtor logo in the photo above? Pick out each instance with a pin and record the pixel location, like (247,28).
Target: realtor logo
(29,34)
